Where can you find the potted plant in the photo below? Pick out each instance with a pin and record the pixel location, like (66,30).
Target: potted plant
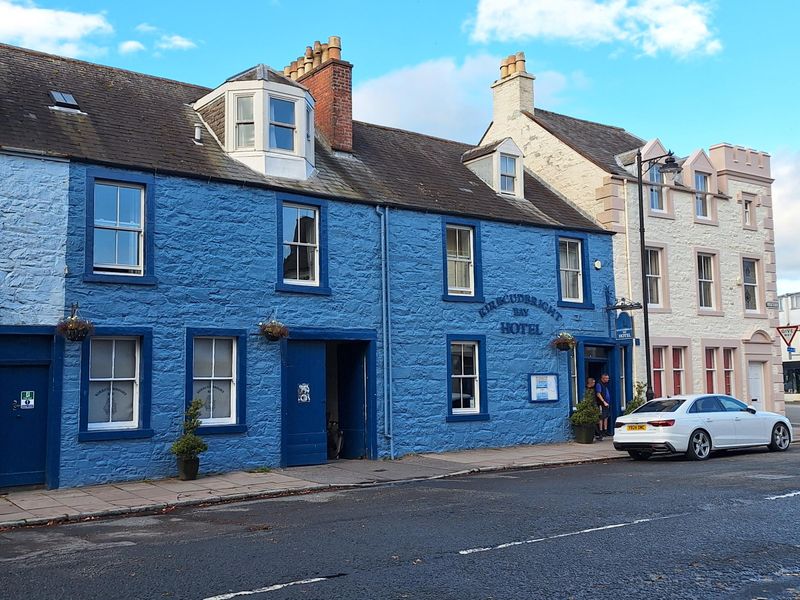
(584,418)
(563,341)
(189,445)
(73,327)
(273,330)
(638,397)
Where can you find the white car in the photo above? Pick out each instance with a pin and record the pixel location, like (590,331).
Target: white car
(698,424)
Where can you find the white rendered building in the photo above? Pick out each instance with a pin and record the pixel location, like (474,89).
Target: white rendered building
(790,315)
(709,238)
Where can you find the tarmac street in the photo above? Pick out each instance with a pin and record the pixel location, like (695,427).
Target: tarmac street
(666,528)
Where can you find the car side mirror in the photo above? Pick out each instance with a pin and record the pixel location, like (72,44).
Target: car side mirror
(751,410)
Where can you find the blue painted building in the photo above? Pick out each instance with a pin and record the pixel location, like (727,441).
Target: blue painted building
(421,280)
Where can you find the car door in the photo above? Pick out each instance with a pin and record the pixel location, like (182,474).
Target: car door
(716,420)
(749,428)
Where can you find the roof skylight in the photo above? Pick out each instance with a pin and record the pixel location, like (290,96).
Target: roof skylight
(64,100)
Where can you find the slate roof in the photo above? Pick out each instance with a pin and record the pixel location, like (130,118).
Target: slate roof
(481,151)
(597,142)
(265,73)
(143,122)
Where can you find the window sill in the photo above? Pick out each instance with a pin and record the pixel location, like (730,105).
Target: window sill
(710,313)
(578,305)
(222,429)
(114,434)
(124,279)
(750,227)
(661,214)
(303,289)
(659,310)
(470,417)
(706,221)
(458,298)
(755,315)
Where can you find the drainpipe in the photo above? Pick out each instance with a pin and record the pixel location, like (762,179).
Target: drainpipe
(386,324)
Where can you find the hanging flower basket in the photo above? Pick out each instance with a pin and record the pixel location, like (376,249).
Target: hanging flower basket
(564,341)
(273,330)
(73,327)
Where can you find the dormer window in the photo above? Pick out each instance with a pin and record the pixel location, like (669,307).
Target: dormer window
(64,100)
(245,124)
(281,124)
(508,174)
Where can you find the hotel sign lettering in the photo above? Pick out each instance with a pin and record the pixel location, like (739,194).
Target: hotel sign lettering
(521,311)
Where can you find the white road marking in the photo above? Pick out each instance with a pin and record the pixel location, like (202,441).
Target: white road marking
(789,495)
(563,535)
(269,588)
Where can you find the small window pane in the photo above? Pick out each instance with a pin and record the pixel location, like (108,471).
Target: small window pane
(308,226)
(127,248)
(105,242)
(464,246)
(452,241)
(130,207)
(125,359)
(99,398)
(281,137)
(223,358)
(105,204)
(306,263)
(245,135)
(455,359)
(201,388)
(281,111)
(506,183)
(221,391)
(749,270)
(202,357)
(290,266)
(100,359)
(122,401)
(244,108)
(290,233)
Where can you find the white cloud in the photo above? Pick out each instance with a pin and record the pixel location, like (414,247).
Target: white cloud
(175,42)
(146,28)
(786,211)
(440,97)
(130,46)
(679,27)
(56,31)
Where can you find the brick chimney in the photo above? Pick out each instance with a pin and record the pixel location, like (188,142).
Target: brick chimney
(329,79)
(513,92)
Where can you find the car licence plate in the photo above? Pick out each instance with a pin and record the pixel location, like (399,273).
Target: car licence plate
(636,427)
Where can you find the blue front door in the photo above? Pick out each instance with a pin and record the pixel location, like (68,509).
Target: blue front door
(305,440)
(353,400)
(23,424)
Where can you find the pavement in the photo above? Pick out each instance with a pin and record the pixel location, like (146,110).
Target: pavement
(48,507)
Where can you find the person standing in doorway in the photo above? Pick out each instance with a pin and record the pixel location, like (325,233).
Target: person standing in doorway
(603,396)
(591,394)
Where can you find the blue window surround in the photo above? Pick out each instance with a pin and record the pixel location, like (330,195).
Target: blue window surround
(145,336)
(483,414)
(148,181)
(322,206)
(241,375)
(477,261)
(587,280)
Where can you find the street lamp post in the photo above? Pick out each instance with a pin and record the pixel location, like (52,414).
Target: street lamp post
(670,166)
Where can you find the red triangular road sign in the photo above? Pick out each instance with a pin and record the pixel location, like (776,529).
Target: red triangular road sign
(787,333)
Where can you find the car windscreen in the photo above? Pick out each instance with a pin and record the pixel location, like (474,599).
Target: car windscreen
(662,405)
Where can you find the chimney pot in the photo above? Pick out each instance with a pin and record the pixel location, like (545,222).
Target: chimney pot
(317,53)
(335,47)
(520,62)
(286,71)
(504,68)
(324,53)
(512,64)
(300,67)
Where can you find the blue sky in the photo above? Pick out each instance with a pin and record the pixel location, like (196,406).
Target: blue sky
(691,72)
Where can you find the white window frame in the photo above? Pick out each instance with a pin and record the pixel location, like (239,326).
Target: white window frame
(470,260)
(136,379)
(457,378)
(213,377)
(654,277)
(505,175)
(656,191)
(315,282)
(271,123)
(754,285)
(701,281)
(562,270)
(747,209)
(701,183)
(237,122)
(116,268)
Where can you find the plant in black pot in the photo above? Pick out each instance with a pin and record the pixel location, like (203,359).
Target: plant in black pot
(188,447)
(584,418)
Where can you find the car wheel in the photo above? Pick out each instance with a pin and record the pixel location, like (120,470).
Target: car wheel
(640,454)
(780,438)
(699,445)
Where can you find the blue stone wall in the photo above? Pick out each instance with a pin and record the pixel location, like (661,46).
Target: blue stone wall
(33,237)
(516,259)
(215,260)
